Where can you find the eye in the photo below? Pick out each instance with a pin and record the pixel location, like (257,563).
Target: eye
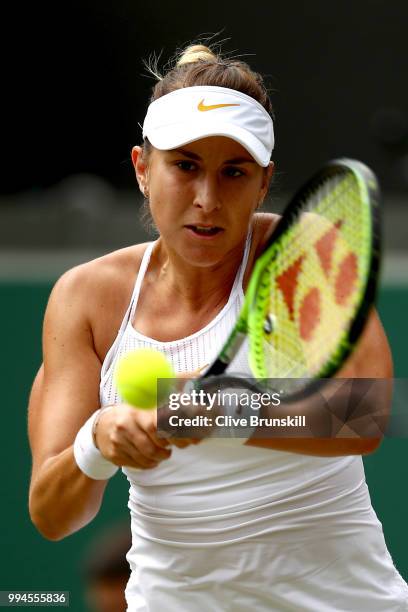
(233,171)
(186,165)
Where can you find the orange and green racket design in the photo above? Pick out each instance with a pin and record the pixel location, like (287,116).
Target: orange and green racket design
(311,290)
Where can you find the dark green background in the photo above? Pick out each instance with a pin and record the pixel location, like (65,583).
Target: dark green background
(30,562)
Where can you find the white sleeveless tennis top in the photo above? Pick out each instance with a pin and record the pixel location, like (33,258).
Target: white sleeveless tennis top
(222,526)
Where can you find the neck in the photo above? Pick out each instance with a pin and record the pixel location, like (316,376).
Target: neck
(196,286)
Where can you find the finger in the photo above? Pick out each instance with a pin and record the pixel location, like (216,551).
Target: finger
(147,447)
(183,442)
(137,461)
(137,422)
(149,425)
(127,450)
(148,421)
(128,436)
(159,440)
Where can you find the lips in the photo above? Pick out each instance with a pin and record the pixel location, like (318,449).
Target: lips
(204,230)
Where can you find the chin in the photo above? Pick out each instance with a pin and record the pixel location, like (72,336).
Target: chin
(204,260)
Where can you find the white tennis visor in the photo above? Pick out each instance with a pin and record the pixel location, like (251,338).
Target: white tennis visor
(192,113)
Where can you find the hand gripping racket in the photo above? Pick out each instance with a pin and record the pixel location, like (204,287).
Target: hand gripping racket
(311,289)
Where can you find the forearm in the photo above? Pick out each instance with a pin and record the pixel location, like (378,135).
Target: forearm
(347,417)
(62,499)
(320,447)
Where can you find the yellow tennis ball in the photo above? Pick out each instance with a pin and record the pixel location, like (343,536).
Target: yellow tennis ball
(136,378)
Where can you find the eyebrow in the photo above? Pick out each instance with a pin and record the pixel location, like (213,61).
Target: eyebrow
(234,160)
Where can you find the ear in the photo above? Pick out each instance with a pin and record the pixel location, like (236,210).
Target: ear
(266,181)
(141,169)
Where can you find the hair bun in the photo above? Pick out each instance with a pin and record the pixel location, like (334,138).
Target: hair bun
(196,53)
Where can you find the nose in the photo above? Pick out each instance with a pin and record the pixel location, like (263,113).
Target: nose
(207,193)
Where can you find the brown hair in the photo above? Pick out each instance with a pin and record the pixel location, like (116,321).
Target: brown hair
(200,65)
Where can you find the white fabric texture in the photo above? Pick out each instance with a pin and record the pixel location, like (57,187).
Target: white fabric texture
(191,113)
(224,527)
(88,458)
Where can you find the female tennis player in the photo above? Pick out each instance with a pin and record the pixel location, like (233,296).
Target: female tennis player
(277,524)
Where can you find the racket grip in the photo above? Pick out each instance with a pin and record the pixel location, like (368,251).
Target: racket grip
(228,352)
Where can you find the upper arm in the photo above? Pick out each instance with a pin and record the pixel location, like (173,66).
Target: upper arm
(371,357)
(66,389)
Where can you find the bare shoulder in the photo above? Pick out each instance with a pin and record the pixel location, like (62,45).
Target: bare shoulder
(264,226)
(111,271)
(95,294)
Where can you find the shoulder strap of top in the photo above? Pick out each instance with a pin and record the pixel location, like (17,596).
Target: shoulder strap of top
(130,310)
(145,263)
(241,271)
(139,279)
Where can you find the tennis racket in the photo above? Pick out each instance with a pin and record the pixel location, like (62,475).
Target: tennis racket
(311,289)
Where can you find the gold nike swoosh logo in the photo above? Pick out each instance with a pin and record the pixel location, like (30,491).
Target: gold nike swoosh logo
(207,107)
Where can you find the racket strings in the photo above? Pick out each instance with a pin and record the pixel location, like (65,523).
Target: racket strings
(310,299)
(322,201)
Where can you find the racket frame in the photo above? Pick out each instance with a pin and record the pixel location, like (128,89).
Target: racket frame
(368,183)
